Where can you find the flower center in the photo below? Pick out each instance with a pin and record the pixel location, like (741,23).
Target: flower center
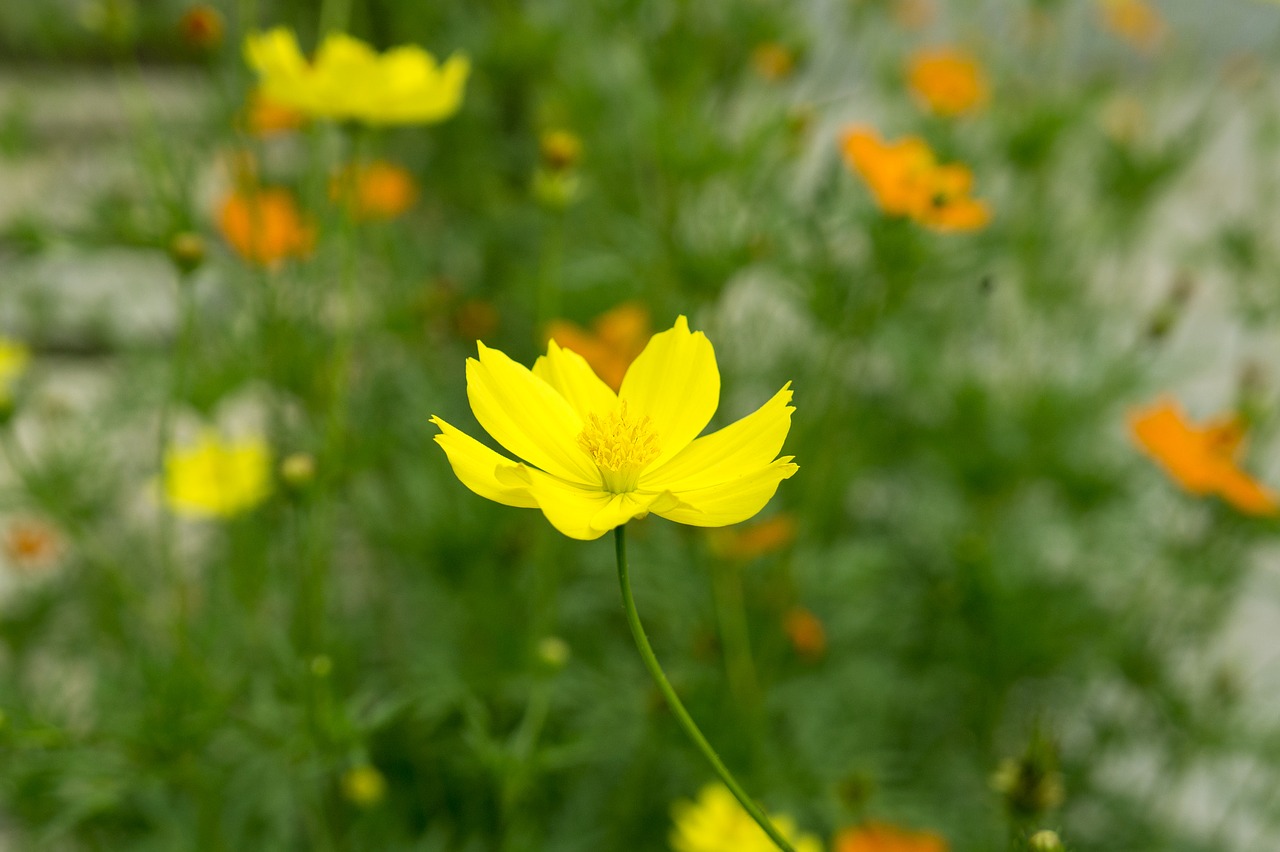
(621,445)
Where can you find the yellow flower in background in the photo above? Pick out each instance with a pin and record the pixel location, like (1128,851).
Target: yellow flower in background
(350,81)
(265,226)
(617,337)
(1135,21)
(1202,459)
(906,180)
(878,837)
(14,359)
(596,459)
(715,822)
(947,81)
(379,190)
(217,478)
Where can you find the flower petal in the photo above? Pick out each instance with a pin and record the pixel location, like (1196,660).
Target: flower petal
(729,502)
(571,376)
(747,445)
(526,415)
(478,467)
(585,513)
(675,382)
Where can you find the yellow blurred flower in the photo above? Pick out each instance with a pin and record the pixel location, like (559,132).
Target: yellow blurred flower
(947,81)
(773,61)
(560,149)
(263,116)
(804,629)
(350,81)
(597,459)
(906,180)
(715,822)
(364,786)
(265,226)
(760,539)
(1135,21)
(14,359)
(617,337)
(878,837)
(377,190)
(217,478)
(1202,459)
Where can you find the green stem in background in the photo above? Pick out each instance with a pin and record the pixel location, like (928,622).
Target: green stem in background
(673,700)
(548,307)
(726,588)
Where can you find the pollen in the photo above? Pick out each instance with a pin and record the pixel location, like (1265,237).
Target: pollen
(621,445)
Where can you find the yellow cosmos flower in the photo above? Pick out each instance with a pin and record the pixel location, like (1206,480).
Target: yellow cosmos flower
(14,358)
(216,478)
(596,459)
(715,822)
(947,81)
(350,81)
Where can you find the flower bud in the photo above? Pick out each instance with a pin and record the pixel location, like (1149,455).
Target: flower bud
(187,251)
(364,786)
(1045,841)
(201,27)
(553,653)
(298,470)
(556,190)
(561,150)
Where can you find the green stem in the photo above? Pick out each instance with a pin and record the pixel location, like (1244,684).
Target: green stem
(673,701)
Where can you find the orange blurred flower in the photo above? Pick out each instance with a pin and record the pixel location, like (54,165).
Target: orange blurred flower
(804,629)
(879,837)
(201,27)
(265,226)
(31,546)
(773,61)
(907,180)
(616,338)
(768,536)
(1201,459)
(947,80)
(379,190)
(1135,21)
(263,117)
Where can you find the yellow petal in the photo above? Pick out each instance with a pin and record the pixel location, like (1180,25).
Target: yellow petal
(744,446)
(584,513)
(478,467)
(729,502)
(571,376)
(526,415)
(676,383)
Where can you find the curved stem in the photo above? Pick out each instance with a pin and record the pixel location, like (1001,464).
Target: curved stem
(673,701)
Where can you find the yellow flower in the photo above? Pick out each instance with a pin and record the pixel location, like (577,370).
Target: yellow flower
(375,191)
(1201,459)
(216,477)
(617,337)
(878,837)
(907,180)
(947,81)
(717,823)
(265,226)
(14,358)
(1135,21)
(596,459)
(349,81)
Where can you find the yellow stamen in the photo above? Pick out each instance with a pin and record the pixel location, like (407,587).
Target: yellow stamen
(622,446)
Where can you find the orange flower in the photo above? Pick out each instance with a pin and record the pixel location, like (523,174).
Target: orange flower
(1135,21)
(878,837)
(31,546)
(773,61)
(201,27)
(264,226)
(947,81)
(906,180)
(264,117)
(768,536)
(377,190)
(804,629)
(1202,459)
(617,337)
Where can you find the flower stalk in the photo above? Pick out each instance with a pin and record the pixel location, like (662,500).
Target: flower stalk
(673,701)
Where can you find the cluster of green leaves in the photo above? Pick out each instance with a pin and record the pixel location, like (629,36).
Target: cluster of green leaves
(1018,608)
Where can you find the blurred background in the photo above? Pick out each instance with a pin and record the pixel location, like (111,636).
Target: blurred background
(1018,260)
